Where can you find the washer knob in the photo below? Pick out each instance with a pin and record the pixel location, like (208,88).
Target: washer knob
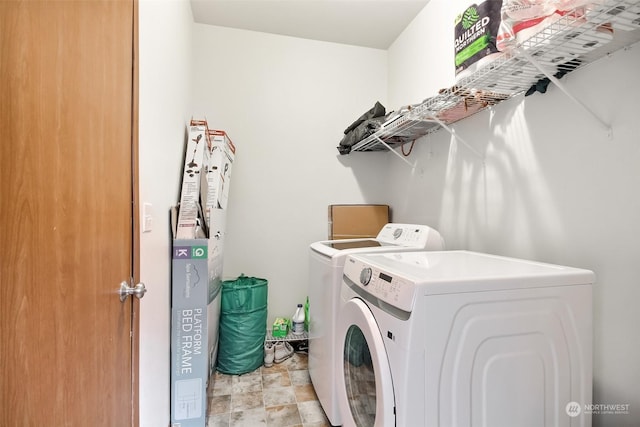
(397,233)
(365,276)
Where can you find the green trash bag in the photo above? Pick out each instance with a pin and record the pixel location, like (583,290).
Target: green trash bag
(243,319)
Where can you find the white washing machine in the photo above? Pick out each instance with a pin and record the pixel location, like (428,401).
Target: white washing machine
(325,279)
(463,339)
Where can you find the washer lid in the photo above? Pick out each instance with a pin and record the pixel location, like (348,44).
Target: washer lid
(464,271)
(352,244)
(332,248)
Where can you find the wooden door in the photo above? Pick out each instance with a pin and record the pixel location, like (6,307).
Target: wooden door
(66,216)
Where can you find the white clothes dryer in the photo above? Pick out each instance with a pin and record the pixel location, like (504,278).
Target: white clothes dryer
(326,260)
(463,339)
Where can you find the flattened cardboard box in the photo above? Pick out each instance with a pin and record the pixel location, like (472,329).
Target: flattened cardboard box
(210,179)
(356,221)
(190,189)
(195,312)
(218,161)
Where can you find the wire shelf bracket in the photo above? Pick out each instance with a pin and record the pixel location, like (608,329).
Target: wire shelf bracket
(400,156)
(458,137)
(566,91)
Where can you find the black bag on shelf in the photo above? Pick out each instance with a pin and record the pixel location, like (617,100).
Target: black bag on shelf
(367,124)
(365,129)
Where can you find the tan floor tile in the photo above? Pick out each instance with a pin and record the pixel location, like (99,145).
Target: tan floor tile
(218,420)
(250,418)
(220,385)
(245,401)
(300,377)
(312,414)
(283,416)
(242,384)
(279,396)
(219,404)
(276,379)
(305,393)
(297,361)
(218,375)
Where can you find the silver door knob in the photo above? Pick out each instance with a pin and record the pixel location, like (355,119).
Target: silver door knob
(125,290)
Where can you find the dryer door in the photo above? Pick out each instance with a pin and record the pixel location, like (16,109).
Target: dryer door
(365,386)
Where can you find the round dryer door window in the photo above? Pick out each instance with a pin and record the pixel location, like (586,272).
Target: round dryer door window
(367,389)
(359,378)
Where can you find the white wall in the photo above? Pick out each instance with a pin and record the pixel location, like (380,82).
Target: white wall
(284,103)
(165,68)
(552,186)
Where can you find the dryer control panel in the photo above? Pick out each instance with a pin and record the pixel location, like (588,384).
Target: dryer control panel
(395,291)
(411,235)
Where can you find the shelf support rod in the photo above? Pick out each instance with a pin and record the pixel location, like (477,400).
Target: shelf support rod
(563,88)
(456,136)
(390,148)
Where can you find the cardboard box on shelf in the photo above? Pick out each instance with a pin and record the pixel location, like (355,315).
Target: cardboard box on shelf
(356,221)
(190,190)
(196,282)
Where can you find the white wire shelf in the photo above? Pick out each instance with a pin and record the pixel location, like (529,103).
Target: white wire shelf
(567,44)
(290,336)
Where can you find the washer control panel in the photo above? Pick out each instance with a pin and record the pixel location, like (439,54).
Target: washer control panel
(394,290)
(411,235)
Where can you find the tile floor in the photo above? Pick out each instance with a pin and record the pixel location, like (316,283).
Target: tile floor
(279,396)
